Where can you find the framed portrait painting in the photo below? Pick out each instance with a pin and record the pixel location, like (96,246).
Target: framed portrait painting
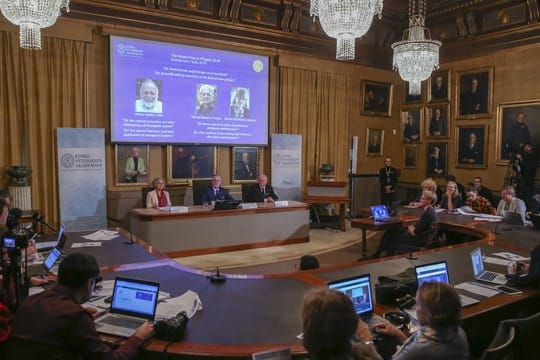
(475,91)
(439,86)
(410,156)
(245,164)
(376,98)
(437,121)
(471,145)
(374,142)
(411,126)
(411,99)
(189,162)
(517,123)
(437,164)
(132,161)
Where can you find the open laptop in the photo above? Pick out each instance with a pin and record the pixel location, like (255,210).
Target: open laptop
(480,274)
(133,302)
(46,265)
(380,213)
(439,272)
(58,243)
(358,289)
(226,205)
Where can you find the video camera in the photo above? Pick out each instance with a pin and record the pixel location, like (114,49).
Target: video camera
(12,241)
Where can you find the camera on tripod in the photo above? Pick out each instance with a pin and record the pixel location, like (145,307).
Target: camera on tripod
(12,242)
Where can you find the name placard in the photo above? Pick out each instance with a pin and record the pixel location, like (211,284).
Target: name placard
(249,205)
(281,203)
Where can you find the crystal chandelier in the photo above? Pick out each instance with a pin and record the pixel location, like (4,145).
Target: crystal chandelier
(32,16)
(416,56)
(346,20)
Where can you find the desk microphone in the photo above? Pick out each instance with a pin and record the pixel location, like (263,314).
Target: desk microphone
(217,278)
(39,218)
(496,230)
(411,257)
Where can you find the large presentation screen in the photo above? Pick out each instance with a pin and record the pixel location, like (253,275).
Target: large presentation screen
(169,93)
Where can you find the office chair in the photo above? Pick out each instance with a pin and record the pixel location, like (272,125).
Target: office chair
(527,331)
(246,187)
(502,346)
(434,240)
(199,187)
(144,192)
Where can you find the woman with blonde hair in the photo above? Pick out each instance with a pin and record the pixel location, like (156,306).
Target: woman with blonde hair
(452,198)
(427,185)
(158,197)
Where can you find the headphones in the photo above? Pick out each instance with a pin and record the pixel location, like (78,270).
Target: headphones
(398,318)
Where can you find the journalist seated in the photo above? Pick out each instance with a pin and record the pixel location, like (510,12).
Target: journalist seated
(53,324)
(511,204)
(438,310)
(415,235)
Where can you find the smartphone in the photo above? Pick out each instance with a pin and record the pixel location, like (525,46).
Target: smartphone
(508,290)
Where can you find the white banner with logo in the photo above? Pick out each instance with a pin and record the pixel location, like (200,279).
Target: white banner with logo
(81,178)
(287,166)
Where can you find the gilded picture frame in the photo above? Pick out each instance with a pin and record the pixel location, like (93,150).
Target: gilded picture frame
(129,172)
(410,156)
(377,98)
(474,94)
(437,159)
(190,162)
(411,128)
(471,146)
(437,122)
(245,164)
(439,86)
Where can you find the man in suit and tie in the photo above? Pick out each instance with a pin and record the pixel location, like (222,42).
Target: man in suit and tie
(215,192)
(261,192)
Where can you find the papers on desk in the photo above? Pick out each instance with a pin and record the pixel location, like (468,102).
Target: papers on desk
(188,302)
(496,261)
(480,218)
(101,235)
(511,256)
(475,288)
(86,244)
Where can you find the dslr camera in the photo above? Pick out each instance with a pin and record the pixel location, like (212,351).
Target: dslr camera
(171,329)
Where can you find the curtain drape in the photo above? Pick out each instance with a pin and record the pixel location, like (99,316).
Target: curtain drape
(314,104)
(39,92)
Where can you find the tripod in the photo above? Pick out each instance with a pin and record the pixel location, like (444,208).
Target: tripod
(513,175)
(15,283)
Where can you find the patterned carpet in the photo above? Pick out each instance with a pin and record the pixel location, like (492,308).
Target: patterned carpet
(321,241)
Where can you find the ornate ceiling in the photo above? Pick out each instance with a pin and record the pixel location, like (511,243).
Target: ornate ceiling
(466,27)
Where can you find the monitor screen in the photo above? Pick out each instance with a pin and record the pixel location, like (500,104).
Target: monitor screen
(437,272)
(173,93)
(358,289)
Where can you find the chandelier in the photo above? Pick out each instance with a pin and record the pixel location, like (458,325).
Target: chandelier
(346,20)
(416,56)
(32,16)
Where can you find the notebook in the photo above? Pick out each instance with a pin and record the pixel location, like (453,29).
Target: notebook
(380,213)
(133,303)
(46,265)
(480,274)
(358,289)
(439,272)
(58,243)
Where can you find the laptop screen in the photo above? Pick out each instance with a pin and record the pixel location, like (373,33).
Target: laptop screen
(135,297)
(436,272)
(477,262)
(358,289)
(379,212)
(51,258)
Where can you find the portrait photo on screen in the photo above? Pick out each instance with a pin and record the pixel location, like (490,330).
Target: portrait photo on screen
(148,96)
(206,100)
(170,93)
(239,103)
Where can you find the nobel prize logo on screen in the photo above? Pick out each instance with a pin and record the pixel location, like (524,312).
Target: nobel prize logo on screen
(258,66)
(129,50)
(81,161)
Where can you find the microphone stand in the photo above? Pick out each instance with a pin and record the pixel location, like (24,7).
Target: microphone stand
(217,278)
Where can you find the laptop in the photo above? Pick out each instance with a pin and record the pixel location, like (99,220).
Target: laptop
(380,213)
(513,218)
(58,243)
(133,303)
(226,205)
(480,274)
(46,265)
(438,272)
(358,289)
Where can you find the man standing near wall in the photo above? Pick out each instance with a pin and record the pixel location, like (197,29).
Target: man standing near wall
(388,176)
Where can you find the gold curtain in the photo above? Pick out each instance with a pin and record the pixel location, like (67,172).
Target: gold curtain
(314,104)
(39,92)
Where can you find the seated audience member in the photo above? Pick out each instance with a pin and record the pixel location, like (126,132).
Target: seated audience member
(460,187)
(482,190)
(215,192)
(427,185)
(261,191)
(478,203)
(510,203)
(330,326)
(416,235)
(530,274)
(438,310)
(158,197)
(53,324)
(452,198)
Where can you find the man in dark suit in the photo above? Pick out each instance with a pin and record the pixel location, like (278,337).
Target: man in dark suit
(215,192)
(261,192)
(471,152)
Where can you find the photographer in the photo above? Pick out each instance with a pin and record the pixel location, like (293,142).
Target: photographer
(527,166)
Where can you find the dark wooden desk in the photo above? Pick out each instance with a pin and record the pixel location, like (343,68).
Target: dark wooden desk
(341,201)
(369,224)
(251,313)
